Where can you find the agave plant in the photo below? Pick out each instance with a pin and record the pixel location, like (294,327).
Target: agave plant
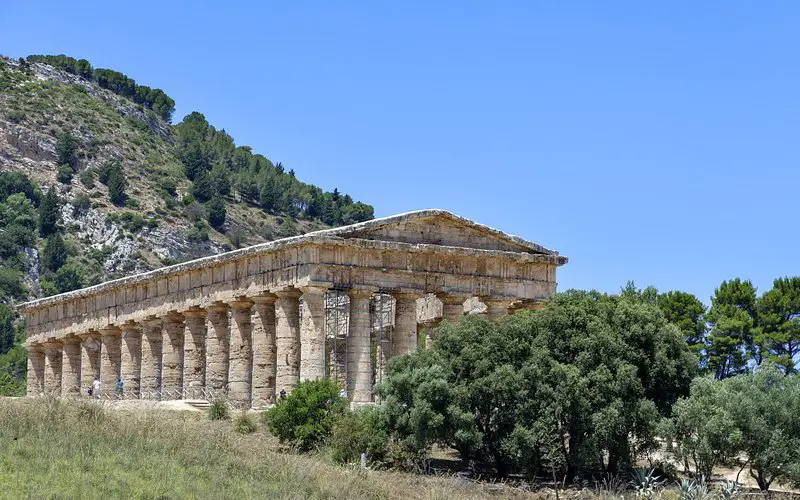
(729,490)
(645,483)
(694,490)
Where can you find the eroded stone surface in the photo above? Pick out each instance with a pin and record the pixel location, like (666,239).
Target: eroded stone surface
(235,323)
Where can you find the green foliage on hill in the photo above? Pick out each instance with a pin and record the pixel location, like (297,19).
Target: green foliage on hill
(217,167)
(114,81)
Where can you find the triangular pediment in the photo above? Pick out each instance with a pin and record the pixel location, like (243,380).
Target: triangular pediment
(438,227)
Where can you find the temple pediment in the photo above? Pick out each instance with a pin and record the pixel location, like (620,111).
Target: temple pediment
(438,227)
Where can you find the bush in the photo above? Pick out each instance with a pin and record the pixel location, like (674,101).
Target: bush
(219,410)
(361,431)
(65,174)
(81,204)
(245,423)
(199,232)
(306,417)
(87,178)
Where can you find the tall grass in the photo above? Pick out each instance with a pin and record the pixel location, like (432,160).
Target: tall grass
(51,448)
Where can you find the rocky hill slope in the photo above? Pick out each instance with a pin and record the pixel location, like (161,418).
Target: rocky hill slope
(188,190)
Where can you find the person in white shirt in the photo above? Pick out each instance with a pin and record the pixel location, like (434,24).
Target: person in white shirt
(96,388)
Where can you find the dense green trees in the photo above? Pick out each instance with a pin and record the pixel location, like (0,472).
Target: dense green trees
(49,213)
(732,317)
(554,391)
(778,334)
(216,212)
(217,167)
(753,415)
(117,184)
(114,81)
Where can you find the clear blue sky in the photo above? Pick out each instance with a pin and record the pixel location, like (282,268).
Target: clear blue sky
(657,143)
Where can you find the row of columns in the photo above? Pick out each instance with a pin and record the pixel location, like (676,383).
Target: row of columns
(250,348)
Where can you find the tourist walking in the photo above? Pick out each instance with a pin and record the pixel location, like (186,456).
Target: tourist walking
(119,388)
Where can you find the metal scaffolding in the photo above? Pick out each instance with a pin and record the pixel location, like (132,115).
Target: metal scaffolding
(381,317)
(337,314)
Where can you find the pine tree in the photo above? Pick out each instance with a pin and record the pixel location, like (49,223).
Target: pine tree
(66,146)
(49,214)
(779,323)
(216,212)
(268,196)
(117,185)
(732,316)
(203,187)
(54,255)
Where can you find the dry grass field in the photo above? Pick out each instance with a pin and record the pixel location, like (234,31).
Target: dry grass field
(58,449)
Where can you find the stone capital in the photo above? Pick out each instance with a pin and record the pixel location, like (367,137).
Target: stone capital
(91,334)
(314,288)
(362,292)
(195,312)
(453,298)
(288,293)
(110,331)
(240,303)
(264,298)
(153,321)
(71,339)
(405,294)
(53,345)
(173,317)
(130,326)
(218,307)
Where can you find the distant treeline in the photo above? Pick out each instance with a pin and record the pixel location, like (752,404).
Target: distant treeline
(218,168)
(114,81)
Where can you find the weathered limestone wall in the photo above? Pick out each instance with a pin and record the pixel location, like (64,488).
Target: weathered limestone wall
(236,323)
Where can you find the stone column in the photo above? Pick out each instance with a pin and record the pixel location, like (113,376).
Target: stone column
(52,368)
(405,323)
(194,353)
(359,352)
(152,351)
(312,333)
(35,371)
(131,359)
(71,367)
(496,308)
(264,353)
(287,339)
(240,374)
(110,359)
(452,306)
(90,359)
(172,357)
(428,326)
(217,348)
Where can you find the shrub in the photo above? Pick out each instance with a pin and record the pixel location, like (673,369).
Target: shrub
(361,431)
(245,423)
(216,212)
(87,178)
(65,174)
(199,232)
(15,116)
(307,416)
(81,203)
(218,410)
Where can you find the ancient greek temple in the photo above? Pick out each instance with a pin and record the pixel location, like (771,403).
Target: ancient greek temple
(250,323)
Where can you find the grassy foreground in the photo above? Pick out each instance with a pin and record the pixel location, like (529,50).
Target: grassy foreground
(58,449)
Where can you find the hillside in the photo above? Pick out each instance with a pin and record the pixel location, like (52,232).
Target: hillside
(96,183)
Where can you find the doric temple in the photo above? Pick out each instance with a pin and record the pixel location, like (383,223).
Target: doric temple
(249,323)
